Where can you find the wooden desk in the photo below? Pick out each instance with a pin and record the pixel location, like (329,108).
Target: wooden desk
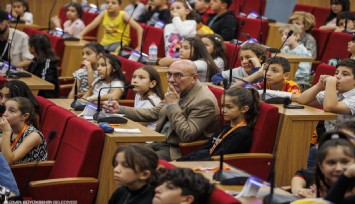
(20,26)
(35,84)
(72,56)
(294,61)
(112,142)
(274,36)
(264,190)
(294,138)
(162,73)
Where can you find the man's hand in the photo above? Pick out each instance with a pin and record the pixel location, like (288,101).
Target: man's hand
(171,96)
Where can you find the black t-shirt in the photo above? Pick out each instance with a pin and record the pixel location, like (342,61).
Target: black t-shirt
(4,55)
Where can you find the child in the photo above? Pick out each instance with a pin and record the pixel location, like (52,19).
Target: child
(336,93)
(148,88)
(223,22)
(348,128)
(137,12)
(345,18)
(277,77)
(114,22)
(334,156)
(336,6)
(292,46)
(201,29)
(251,55)
(203,8)
(88,73)
(21,139)
(216,48)
(158,14)
(305,22)
(351,47)
(182,185)
(74,25)
(183,25)
(135,171)
(20,8)
(194,50)
(240,106)
(110,75)
(44,65)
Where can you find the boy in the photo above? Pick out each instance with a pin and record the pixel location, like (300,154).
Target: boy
(223,22)
(202,7)
(336,93)
(277,77)
(182,185)
(292,46)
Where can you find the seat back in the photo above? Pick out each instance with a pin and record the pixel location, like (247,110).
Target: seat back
(265,129)
(232,50)
(320,14)
(322,37)
(3,80)
(323,69)
(56,120)
(44,104)
(80,151)
(303,7)
(337,46)
(134,36)
(57,44)
(253,5)
(156,35)
(218,93)
(253,28)
(219,196)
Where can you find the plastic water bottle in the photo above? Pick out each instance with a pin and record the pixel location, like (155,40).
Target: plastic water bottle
(84,5)
(153,54)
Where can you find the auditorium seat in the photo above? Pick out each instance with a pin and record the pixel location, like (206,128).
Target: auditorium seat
(304,7)
(253,27)
(323,69)
(44,104)
(336,46)
(322,38)
(253,5)
(232,55)
(156,35)
(320,14)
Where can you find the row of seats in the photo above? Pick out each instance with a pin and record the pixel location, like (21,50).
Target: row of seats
(74,158)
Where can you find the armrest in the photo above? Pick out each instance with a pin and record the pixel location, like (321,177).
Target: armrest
(81,189)
(189,147)
(66,78)
(90,38)
(244,156)
(30,171)
(126,102)
(66,86)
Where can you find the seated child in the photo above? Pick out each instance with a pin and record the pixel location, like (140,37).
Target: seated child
(202,7)
(347,19)
(277,77)
(135,9)
(251,55)
(216,48)
(336,93)
(292,46)
(182,185)
(158,14)
(240,107)
(20,8)
(201,29)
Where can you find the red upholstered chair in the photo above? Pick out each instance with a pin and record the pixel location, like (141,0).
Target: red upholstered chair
(165,164)
(219,196)
(252,27)
(336,46)
(56,120)
(322,38)
(3,80)
(133,34)
(57,44)
(323,69)
(232,49)
(320,14)
(253,5)
(304,7)
(156,35)
(75,171)
(44,104)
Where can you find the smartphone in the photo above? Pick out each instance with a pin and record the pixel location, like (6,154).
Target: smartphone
(294,106)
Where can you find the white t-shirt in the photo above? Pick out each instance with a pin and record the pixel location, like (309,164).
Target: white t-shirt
(138,103)
(220,63)
(202,70)
(98,84)
(28,18)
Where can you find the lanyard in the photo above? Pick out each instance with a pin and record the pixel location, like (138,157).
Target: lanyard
(19,136)
(221,137)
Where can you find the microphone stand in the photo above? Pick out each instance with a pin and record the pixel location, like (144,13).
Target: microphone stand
(49,17)
(263,95)
(121,42)
(10,46)
(261,22)
(76,105)
(141,48)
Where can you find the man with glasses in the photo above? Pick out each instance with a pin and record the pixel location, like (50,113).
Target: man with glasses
(188,112)
(19,53)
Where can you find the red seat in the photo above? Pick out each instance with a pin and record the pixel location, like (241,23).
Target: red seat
(253,27)
(156,35)
(253,5)
(44,104)
(3,80)
(337,46)
(236,6)
(304,7)
(322,37)
(75,171)
(232,55)
(133,35)
(323,69)
(320,14)
(56,120)
(57,44)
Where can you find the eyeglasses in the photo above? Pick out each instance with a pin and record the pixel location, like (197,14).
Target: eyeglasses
(176,75)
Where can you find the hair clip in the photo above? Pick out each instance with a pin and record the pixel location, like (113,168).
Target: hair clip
(335,136)
(217,39)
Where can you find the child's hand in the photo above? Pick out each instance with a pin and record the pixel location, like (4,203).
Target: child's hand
(87,64)
(254,62)
(330,79)
(171,96)
(350,171)
(4,125)
(321,81)
(175,14)
(261,71)
(306,193)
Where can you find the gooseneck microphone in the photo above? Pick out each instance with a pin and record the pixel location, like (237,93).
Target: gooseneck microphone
(104,117)
(261,22)
(10,47)
(263,96)
(143,35)
(76,104)
(50,14)
(121,42)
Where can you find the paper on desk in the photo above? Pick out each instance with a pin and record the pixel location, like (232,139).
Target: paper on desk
(125,130)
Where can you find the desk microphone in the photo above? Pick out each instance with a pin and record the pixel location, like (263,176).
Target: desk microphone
(10,46)
(104,117)
(77,105)
(121,43)
(264,96)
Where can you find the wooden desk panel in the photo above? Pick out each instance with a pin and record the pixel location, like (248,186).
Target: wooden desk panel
(35,84)
(112,142)
(274,36)
(72,57)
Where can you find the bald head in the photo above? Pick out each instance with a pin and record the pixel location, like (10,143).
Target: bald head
(186,65)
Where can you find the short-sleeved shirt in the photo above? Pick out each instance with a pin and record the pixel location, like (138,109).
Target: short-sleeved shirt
(152,101)
(289,86)
(82,76)
(99,83)
(349,99)
(74,28)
